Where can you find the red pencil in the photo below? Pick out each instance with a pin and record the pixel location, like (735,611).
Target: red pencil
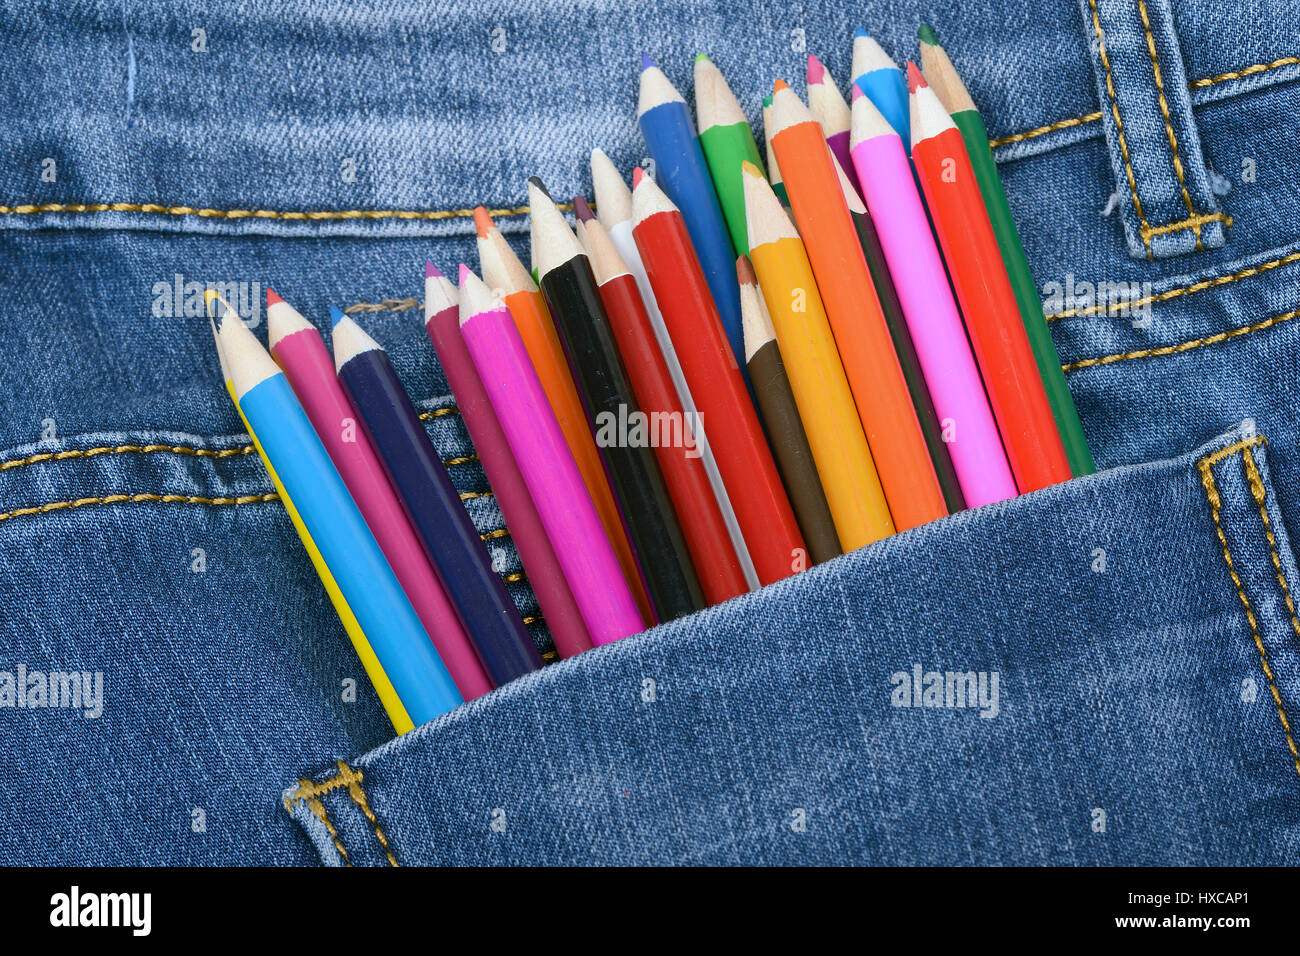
(988,303)
(673,435)
(766,519)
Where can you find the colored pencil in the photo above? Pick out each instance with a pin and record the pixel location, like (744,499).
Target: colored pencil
(904,349)
(715,560)
(669,134)
(545,464)
(979,278)
(727,142)
(614,200)
(347,547)
(773,168)
(527,530)
(431,502)
(849,475)
(861,333)
(951,375)
(948,86)
(879,77)
(388,698)
(794,457)
(300,351)
(753,483)
(583,327)
(503,271)
(827,103)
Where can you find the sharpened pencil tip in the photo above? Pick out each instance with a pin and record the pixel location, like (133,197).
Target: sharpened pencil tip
(815,70)
(855,92)
(541,186)
(582,209)
(859,32)
(272,298)
(638,174)
(647,63)
(745,271)
(482,222)
(465,272)
(431,271)
(336,315)
(701,58)
(914,78)
(749,169)
(779,86)
(925,33)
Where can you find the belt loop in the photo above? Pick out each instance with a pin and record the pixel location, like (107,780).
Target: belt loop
(1166,201)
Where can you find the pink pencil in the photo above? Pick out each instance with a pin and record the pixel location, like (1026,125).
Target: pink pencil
(442,322)
(301,352)
(928,306)
(543,456)
(827,104)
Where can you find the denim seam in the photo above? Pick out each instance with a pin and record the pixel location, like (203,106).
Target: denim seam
(1193,215)
(124,449)
(352,779)
(1185,290)
(136,499)
(1206,468)
(1183,346)
(1096,115)
(1119,124)
(308,794)
(1257,490)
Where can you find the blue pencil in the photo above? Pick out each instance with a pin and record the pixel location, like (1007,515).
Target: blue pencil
(683,173)
(883,83)
(430,500)
(336,527)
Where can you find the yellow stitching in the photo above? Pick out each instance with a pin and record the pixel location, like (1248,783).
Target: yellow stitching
(1193,216)
(1044,130)
(439,413)
(1192,222)
(1214,457)
(307,794)
(513,578)
(463,460)
(1248,71)
(498,533)
(550,656)
(1212,495)
(1094,117)
(533,619)
(470,495)
(1257,489)
(1183,346)
(388,305)
(1185,290)
(149,207)
(122,449)
(134,499)
(1119,124)
(353,780)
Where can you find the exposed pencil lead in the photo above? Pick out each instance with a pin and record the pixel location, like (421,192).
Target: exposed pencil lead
(482,222)
(336,315)
(914,78)
(272,298)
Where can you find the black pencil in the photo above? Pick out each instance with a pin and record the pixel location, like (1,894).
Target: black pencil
(569,286)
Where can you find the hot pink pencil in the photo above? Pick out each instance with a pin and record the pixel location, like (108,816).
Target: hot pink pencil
(544,459)
(442,322)
(301,352)
(928,306)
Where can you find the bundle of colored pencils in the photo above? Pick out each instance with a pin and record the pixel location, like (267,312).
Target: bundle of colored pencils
(711,382)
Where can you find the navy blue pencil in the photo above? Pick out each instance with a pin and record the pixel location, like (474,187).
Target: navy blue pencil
(432,503)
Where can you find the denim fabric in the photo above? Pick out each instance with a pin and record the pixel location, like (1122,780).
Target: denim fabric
(325,150)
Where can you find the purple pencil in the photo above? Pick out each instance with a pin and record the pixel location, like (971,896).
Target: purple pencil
(442,322)
(932,317)
(565,508)
(827,103)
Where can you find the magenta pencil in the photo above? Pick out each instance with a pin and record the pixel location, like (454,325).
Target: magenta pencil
(565,508)
(827,103)
(442,322)
(299,349)
(932,316)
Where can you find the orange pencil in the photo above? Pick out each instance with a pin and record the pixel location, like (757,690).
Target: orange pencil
(861,334)
(506,275)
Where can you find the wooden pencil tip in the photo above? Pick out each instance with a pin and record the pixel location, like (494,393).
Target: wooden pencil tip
(541,186)
(914,78)
(582,209)
(816,72)
(647,63)
(701,58)
(465,273)
(925,33)
(272,298)
(336,315)
(779,86)
(749,169)
(638,174)
(745,271)
(431,271)
(483,223)
(859,32)
(855,92)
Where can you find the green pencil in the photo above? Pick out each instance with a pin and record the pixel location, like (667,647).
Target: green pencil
(943,79)
(727,142)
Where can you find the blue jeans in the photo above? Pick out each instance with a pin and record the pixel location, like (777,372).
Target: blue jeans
(1102,672)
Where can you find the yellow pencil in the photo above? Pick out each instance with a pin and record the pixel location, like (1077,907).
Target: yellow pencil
(392,705)
(821,389)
